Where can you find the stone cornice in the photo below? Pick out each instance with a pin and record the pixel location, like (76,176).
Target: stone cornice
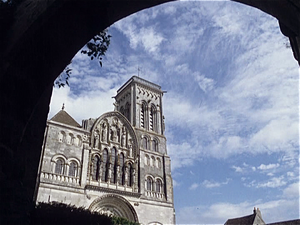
(144,83)
(50,122)
(108,190)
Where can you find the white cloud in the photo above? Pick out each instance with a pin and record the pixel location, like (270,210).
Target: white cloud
(237,169)
(194,186)
(91,105)
(290,174)
(182,155)
(274,182)
(220,212)
(213,184)
(175,183)
(147,37)
(292,191)
(268,167)
(206,84)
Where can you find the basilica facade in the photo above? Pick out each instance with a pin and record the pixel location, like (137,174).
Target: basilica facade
(116,164)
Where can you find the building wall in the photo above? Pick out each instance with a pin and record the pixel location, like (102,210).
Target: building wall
(143,187)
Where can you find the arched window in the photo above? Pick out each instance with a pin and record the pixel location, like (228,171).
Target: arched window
(130,178)
(73,169)
(59,166)
(149,184)
(70,139)
(127,111)
(79,141)
(158,186)
(158,163)
(152,162)
(62,136)
(104,166)
(114,158)
(153,118)
(122,170)
(145,143)
(154,145)
(147,160)
(143,115)
(96,168)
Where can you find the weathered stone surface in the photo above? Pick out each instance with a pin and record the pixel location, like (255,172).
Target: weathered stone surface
(110,167)
(35,50)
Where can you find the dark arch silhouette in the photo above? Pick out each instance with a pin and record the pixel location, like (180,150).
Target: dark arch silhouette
(35,49)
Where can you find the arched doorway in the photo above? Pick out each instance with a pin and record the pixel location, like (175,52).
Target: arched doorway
(114,205)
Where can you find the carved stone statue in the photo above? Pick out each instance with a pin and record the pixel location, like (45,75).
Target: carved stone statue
(123,139)
(104,132)
(96,139)
(130,147)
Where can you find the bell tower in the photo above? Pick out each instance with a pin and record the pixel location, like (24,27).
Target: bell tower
(140,101)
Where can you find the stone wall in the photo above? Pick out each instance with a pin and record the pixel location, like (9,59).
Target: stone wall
(33,53)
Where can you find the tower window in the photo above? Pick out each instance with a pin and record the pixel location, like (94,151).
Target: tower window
(147,160)
(143,115)
(158,163)
(152,161)
(145,143)
(73,169)
(154,145)
(149,184)
(153,118)
(59,167)
(158,186)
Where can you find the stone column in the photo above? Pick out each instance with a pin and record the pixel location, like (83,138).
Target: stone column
(85,164)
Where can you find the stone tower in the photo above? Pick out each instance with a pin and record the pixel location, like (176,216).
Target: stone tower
(116,164)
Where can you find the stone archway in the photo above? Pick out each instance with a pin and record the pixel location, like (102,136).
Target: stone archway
(114,205)
(35,49)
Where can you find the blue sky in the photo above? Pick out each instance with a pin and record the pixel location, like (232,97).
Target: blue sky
(231,107)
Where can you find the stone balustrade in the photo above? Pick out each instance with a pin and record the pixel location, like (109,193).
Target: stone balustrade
(59,178)
(154,194)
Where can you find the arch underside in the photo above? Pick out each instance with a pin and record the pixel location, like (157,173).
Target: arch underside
(114,205)
(35,44)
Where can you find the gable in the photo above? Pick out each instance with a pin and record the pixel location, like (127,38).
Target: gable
(63,117)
